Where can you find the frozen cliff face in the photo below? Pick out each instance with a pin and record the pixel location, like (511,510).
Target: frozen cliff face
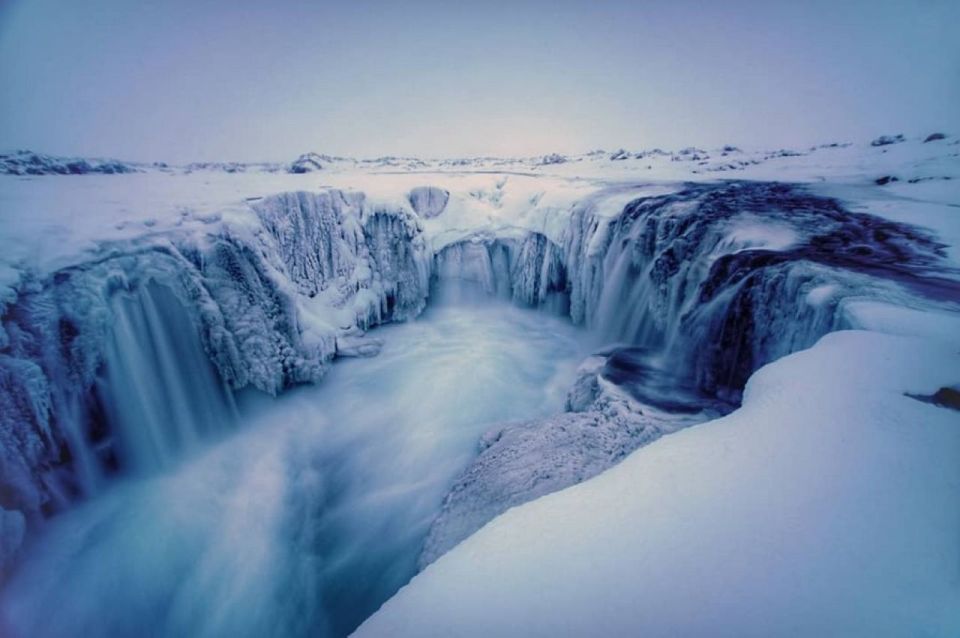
(317,235)
(482,261)
(400,265)
(93,344)
(717,278)
(125,361)
(336,244)
(529,270)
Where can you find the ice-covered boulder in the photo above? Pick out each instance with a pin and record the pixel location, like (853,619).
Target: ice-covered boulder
(887,140)
(428,201)
(552,158)
(307,163)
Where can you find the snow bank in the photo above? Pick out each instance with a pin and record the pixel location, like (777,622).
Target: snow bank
(826,505)
(519,462)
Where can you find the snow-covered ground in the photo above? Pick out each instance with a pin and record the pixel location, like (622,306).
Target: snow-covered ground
(827,504)
(52,220)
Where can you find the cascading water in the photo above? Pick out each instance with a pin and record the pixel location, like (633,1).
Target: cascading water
(158,390)
(721,279)
(307,519)
(528,271)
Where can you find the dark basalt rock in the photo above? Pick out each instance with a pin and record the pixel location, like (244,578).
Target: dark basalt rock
(886,140)
(944,398)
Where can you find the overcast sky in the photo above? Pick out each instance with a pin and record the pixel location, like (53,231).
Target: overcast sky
(185,80)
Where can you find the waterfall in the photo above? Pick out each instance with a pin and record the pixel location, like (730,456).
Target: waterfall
(121,363)
(528,271)
(485,263)
(159,391)
(722,279)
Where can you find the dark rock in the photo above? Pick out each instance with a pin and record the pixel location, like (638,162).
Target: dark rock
(307,163)
(553,158)
(886,140)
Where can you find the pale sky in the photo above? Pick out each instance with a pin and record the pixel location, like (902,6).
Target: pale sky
(183,80)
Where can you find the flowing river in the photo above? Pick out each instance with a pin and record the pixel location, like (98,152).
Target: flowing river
(310,515)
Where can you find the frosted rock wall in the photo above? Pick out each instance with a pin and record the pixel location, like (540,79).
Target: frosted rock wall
(57,439)
(529,271)
(336,245)
(725,278)
(518,462)
(719,279)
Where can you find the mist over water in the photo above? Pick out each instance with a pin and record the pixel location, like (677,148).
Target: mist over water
(311,515)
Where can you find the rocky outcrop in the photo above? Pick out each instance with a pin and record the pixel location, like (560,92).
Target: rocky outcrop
(30,163)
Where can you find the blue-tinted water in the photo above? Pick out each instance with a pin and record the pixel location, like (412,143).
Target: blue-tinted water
(311,515)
